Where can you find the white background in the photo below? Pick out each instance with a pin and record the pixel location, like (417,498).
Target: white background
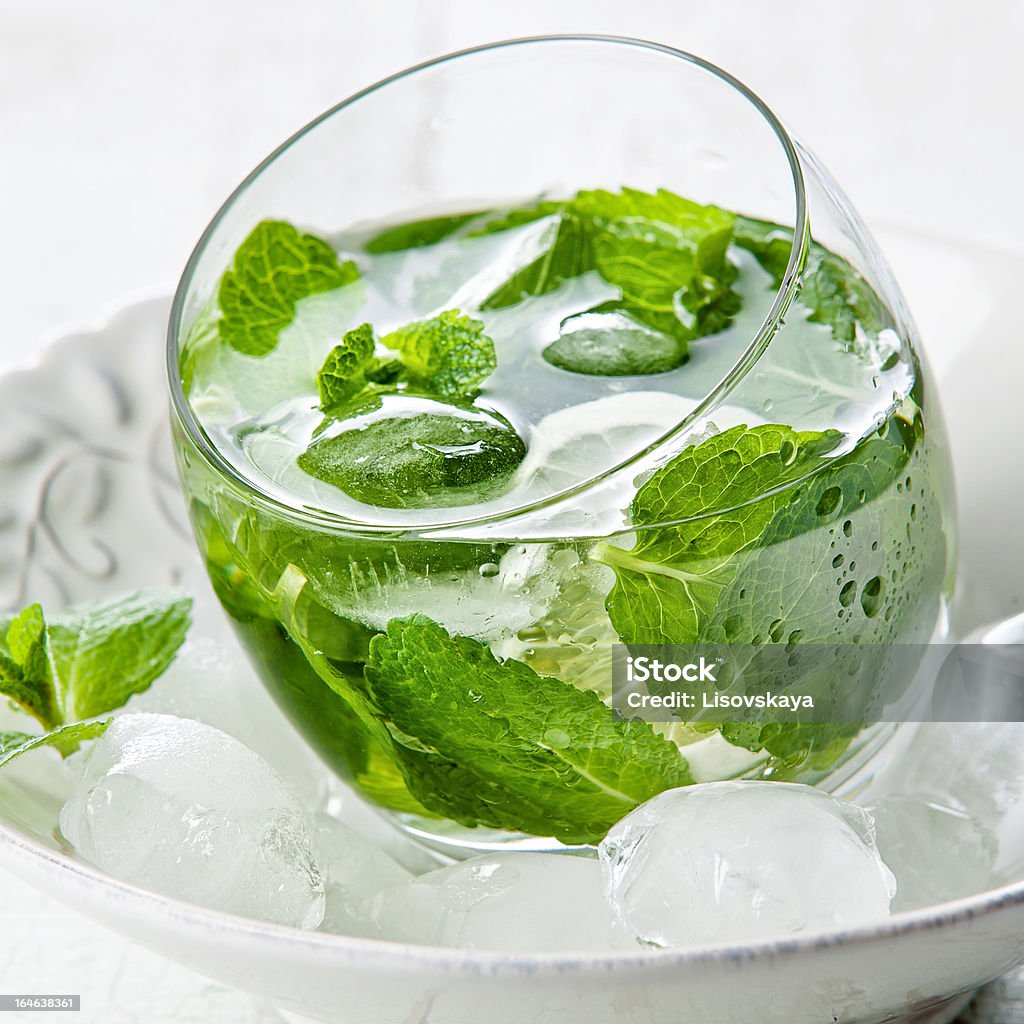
(124,124)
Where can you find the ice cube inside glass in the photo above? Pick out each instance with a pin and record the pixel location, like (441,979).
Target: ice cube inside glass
(532,351)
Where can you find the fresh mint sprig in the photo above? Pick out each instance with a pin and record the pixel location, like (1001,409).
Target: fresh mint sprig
(448,356)
(666,255)
(432,458)
(85,662)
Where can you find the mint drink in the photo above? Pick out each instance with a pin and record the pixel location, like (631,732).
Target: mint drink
(462,488)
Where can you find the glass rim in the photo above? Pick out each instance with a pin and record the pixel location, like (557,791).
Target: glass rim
(335,522)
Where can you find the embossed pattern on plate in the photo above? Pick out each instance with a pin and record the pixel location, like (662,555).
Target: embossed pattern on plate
(85,461)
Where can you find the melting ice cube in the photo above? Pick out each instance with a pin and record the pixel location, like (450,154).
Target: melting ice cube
(937,852)
(213,682)
(183,809)
(515,901)
(354,871)
(738,861)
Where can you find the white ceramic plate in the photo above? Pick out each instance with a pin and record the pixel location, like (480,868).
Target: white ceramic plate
(89,506)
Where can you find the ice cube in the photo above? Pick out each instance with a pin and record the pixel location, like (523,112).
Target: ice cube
(375,827)
(183,809)
(936,852)
(354,871)
(736,861)
(211,681)
(515,901)
(976,768)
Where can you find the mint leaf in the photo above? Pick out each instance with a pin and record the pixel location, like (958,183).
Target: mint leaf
(494,743)
(719,497)
(418,461)
(746,567)
(343,374)
(812,580)
(106,652)
(27,672)
(90,660)
(274,268)
(418,234)
(561,251)
(66,739)
(457,733)
(613,345)
(832,291)
(448,356)
(666,254)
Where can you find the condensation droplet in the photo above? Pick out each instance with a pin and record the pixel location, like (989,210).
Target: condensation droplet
(828,503)
(871,597)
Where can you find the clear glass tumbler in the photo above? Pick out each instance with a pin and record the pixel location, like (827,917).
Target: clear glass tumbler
(853,536)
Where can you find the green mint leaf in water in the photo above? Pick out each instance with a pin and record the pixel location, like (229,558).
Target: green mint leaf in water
(418,234)
(273,269)
(426,459)
(747,560)
(494,743)
(666,254)
(613,345)
(65,739)
(90,659)
(813,580)
(831,290)
(430,459)
(343,374)
(559,252)
(448,356)
(720,497)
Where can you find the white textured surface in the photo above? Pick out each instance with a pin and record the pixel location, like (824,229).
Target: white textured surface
(124,125)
